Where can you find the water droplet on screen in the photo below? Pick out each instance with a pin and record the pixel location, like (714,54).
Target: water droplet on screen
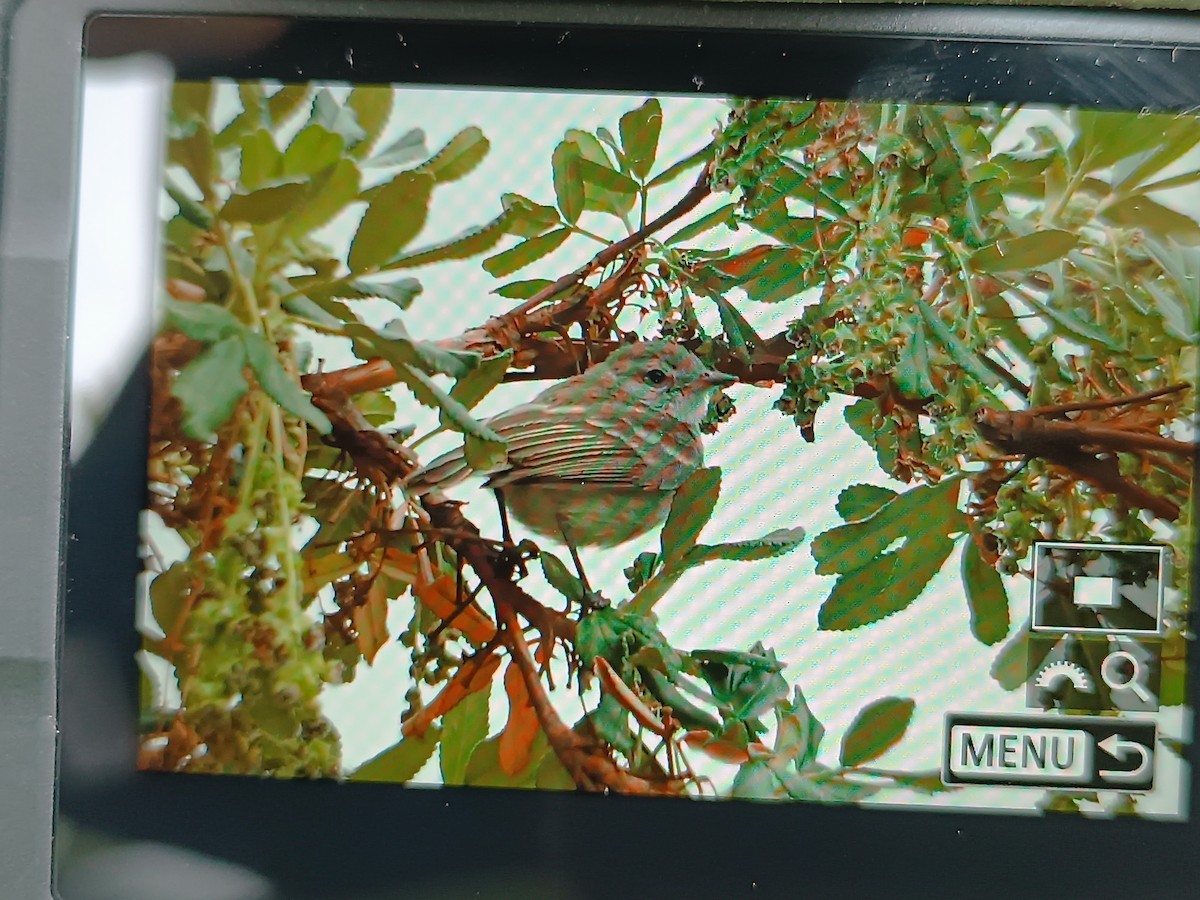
(698,81)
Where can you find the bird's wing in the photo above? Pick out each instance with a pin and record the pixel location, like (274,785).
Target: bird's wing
(544,444)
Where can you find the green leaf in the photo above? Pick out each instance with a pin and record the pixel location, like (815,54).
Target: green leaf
(776,543)
(401,292)
(876,729)
(640,129)
(401,762)
(560,577)
(480,381)
(191,100)
(395,215)
(1139,211)
(1020,254)
(210,386)
(261,159)
(742,337)
(861,501)
(204,322)
(407,148)
(957,349)
(703,155)
(723,216)
(463,729)
(522,290)
(372,107)
(691,508)
(285,102)
(914,374)
(279,385)
(526,218)
(1016,659)
(986,596)
(459,157)
(782,273)
(264,205)
(748,685)
(607,178)
(1179,135)
(885,585)
(929,508)
(484,448)
(169,594)
(314,148)
(526,252)
(470,242)
(195,153)
(568,182)
(484,769)
(331,192)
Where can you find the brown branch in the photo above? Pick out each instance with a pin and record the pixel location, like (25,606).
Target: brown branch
(507,331)
(589,765)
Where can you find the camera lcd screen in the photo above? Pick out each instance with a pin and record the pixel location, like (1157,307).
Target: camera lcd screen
(797,447)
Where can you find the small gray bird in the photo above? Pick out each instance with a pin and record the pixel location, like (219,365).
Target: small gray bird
(596,458)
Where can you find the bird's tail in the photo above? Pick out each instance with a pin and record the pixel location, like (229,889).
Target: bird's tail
(444,471)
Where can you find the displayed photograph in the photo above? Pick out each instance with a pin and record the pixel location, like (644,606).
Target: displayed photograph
(718,448)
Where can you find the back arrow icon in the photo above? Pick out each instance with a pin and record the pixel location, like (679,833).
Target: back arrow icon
(1118,748)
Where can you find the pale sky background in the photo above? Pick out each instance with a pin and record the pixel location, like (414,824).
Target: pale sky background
(772,478)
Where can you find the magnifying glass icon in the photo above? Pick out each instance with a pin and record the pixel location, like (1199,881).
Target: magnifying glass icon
(1117,679)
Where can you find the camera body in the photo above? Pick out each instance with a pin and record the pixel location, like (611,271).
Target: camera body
(924,55)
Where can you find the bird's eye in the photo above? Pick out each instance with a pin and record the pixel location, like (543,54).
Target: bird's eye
(656,376)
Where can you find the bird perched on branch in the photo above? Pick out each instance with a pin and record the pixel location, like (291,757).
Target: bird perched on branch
(596,458)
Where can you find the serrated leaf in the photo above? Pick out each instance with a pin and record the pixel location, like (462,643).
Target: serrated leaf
(395,215)
(372,107)
(861,501)
(640,129)
(407,148)
(884,585)
(986,597)
(929,508)
(273,378)
(370,621)
(691,508)
(470,242)
(285,102)
(204,322)
(263,205)
(524,253)
(769,546)
(876,729)
(210,386)
(560,577)
(400,762)
(459,157)
(463,728)
(568,182)
(402,292)
(1020,254)
(480,381)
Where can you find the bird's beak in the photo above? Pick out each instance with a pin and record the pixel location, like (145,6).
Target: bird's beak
(717,379)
